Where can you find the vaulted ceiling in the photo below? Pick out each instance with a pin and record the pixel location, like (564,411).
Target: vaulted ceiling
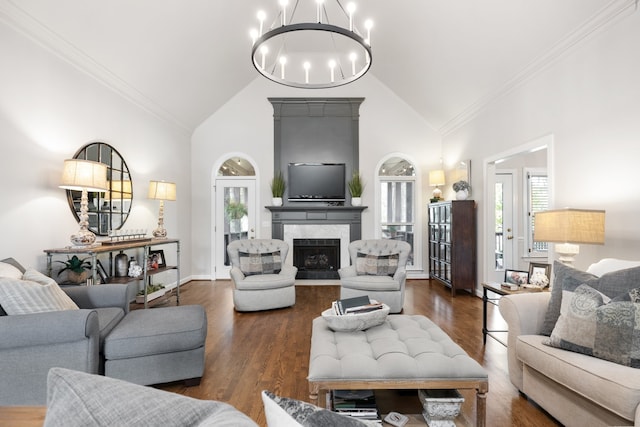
(184,59)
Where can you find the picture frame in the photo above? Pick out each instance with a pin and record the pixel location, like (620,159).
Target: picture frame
(535,267)
(156,260)
(516,277)
(104,277)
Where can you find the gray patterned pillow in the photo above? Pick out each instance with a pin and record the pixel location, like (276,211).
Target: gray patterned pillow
(592,324)
(80,399)
(611,284)
(260,263)
(285,412)
(376,265)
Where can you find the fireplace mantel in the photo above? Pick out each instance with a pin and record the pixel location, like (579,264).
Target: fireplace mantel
(309,214)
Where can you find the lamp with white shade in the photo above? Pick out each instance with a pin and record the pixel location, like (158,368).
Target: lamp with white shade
(161,190)
(84,176)
(436,179)
(568,228)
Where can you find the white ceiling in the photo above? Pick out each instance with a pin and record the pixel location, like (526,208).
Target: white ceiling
(184,59)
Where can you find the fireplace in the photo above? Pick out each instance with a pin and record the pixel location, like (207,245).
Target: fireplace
(316,258)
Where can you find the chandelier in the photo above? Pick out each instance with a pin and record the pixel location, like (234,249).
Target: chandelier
(325,53)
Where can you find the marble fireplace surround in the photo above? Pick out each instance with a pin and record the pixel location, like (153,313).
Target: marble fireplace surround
(317,222)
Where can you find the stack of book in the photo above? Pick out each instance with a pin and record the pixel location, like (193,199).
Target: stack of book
(360,404)
(356,305)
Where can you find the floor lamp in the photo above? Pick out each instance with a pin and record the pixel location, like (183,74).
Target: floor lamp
(84,176)
(568,228)
(161,190)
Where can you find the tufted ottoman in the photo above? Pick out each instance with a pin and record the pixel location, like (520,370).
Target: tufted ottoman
(405,352)
(158,345)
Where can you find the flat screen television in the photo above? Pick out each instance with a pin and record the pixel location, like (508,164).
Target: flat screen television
(316,182)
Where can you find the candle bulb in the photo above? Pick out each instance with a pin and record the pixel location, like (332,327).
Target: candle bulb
(261,17)
(319,11)
(332,65)
(368,24)
(351,7)
(283,61)
(353,58)
(264,50)
(284,4)
(306,66)
(254,35)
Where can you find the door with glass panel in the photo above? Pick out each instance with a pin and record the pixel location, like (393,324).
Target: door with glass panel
(504,226)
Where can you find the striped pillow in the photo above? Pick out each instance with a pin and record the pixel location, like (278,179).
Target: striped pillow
(264,263)
(36,293)
(377,265)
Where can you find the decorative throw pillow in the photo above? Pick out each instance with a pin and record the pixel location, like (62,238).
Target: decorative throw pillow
(36,293)
(80,399)
(592,324)
(262,263)
(286,412)
(611,284)
(9,271)
(376,265)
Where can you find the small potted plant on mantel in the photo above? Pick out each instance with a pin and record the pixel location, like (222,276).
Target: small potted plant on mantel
(278,185)
(76,269)
(356,187)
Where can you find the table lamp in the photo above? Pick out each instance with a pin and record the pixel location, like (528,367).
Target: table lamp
(161,190)
(84,176)
(436,178)
(568,228)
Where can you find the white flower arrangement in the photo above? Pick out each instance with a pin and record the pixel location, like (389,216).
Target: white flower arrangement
(539,279)
(461,185)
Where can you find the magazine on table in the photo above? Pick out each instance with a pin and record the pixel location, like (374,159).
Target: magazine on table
(356,305)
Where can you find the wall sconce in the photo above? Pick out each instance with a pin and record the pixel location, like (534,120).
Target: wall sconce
(85,176)
(160,190)
(569,227)
(436,179)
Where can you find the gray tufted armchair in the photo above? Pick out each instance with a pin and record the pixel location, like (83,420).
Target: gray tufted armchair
(256,284)
(368,272)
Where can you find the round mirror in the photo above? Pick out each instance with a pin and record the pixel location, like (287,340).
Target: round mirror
(109,210)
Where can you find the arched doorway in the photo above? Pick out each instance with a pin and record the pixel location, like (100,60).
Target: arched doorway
(234,207)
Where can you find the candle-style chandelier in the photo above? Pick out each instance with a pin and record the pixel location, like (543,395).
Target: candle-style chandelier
(327,53)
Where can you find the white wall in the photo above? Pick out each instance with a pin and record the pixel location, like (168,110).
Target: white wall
(245,125)
(48,110)
(589,101)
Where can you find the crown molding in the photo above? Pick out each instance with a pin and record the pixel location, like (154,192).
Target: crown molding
(606,17)
(23,22)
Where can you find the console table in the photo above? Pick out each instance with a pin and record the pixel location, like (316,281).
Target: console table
(99,248)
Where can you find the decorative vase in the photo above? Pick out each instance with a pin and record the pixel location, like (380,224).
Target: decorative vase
(462,195)
(276,201)
(356,201)
(121,262)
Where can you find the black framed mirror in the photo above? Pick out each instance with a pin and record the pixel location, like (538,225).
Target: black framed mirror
(110,210)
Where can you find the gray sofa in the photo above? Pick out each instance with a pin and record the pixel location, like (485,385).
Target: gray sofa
(102,337)
(576,389)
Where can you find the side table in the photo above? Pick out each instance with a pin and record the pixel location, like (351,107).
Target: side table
(497,288)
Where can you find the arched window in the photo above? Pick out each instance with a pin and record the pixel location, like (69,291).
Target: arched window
(397,204)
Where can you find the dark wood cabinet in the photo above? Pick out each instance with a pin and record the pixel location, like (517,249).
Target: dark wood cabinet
(452,244)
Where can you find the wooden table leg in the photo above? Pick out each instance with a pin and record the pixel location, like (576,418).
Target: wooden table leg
(481,408)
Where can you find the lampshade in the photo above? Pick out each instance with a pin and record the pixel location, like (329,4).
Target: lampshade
(161,190)
(436,177)
(119,190)
(84,174)
(569,226)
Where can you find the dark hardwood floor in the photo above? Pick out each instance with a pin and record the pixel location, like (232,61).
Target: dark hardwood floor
(269,350)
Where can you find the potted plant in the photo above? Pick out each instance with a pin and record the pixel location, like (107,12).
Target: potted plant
(356,187)
(76,269)
(235,212)
(278,186)
(462,189)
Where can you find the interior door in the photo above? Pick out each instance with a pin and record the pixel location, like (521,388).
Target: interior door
(504,224)
(235,218)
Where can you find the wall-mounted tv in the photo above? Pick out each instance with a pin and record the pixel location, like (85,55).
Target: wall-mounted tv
(316,182)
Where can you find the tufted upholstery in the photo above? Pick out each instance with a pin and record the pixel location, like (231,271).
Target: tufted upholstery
(386,289)
(402,348)
(261,291)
